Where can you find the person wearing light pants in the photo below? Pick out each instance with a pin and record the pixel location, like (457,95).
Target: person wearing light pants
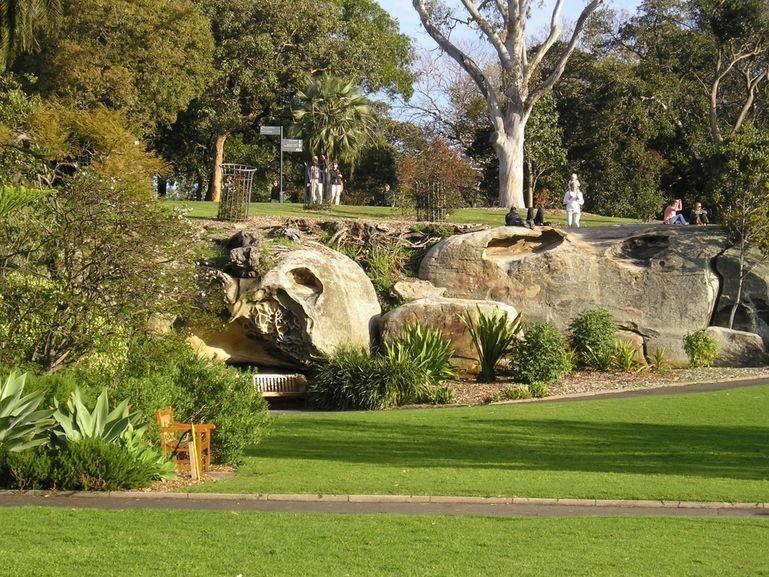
(573,201)
(336,184)
(314,182)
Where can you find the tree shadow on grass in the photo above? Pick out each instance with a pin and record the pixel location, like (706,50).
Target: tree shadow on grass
(554,445)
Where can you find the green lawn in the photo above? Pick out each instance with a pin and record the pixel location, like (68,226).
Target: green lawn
(462,216)
(702,446)
(83,543)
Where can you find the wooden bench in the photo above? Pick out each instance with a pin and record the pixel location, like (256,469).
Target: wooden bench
(172,436)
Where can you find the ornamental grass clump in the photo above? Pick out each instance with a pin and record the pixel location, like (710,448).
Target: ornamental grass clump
(700,348)
(352,379)
(428,348)
(593,334)
(493,336)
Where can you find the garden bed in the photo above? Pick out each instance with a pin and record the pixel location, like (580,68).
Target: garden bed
(468,392)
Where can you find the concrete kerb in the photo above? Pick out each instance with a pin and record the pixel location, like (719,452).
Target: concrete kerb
(404,499)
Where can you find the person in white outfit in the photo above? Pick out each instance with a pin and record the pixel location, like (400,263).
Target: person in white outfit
(573,201)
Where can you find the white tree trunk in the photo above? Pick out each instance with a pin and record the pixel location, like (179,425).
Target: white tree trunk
(509,149)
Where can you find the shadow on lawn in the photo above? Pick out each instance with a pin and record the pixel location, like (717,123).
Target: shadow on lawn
(556,445)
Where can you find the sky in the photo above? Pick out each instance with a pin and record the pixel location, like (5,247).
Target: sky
(403,11)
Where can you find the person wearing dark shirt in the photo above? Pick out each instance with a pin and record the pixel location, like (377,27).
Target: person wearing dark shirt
(512,218)
(275,191)
(699,215)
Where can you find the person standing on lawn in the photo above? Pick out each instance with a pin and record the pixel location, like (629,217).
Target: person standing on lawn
(337,183)
(573,201)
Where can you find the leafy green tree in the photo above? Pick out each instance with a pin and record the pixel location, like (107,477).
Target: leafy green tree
(741,189)
(21,22)
(265,49)
(335,118)
(519,78)
(87,269)
(543,150)
(43,142)
(145,58)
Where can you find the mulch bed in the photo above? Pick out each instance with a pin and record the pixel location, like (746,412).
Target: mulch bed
(468,392)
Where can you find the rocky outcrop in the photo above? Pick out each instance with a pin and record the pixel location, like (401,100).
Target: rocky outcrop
(411,289)
(311,302)
(657,281)
(737,348)
(444,314)
(753,311)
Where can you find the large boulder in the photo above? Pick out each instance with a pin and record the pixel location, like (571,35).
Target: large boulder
(444,314)
(752,313)
(658,281)
(737,348)
(310,303)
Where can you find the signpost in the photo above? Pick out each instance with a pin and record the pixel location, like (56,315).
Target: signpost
(286,145)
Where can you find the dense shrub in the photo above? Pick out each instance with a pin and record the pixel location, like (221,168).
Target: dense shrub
(542,356)
(438,396)
(352,379)
(89,464)
(30,469)
(93,465)
(428,348)
(165,371)
(700,348)
(593,335)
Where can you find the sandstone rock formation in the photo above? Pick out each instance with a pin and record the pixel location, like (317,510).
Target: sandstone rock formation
(658,281)
(411,289)
(737,348)
(311,302)
(444,314)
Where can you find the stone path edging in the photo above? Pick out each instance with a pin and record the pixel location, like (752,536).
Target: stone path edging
(403,499)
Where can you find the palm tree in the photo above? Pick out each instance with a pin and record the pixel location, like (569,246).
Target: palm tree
(20,22)
(336,118)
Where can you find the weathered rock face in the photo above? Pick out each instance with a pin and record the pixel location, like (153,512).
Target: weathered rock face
(313,301)
(444,314)
(737,348)
(411,289)
(753,312)
(657,281)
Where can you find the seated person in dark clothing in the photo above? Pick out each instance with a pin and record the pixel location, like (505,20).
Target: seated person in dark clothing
(699,215)
(512,218)
(535,217)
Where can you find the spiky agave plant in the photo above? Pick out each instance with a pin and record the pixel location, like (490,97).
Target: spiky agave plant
(428,348)
(75,422)
(492,336)
(22,424)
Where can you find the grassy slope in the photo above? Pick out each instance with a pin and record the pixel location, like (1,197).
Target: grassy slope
(707,446)
(82,543)
(465,215)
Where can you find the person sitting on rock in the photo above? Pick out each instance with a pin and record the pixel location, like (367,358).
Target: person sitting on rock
(672,213)
(512,218)
(699,215)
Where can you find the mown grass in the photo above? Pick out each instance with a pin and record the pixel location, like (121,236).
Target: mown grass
(701,446)
(93,543)
(494,217)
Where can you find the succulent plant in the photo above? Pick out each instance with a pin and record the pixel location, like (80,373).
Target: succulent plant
(22,424)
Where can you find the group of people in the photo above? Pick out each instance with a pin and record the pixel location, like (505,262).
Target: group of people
(674,214)
(324,182)
(535,216)
(573,200)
